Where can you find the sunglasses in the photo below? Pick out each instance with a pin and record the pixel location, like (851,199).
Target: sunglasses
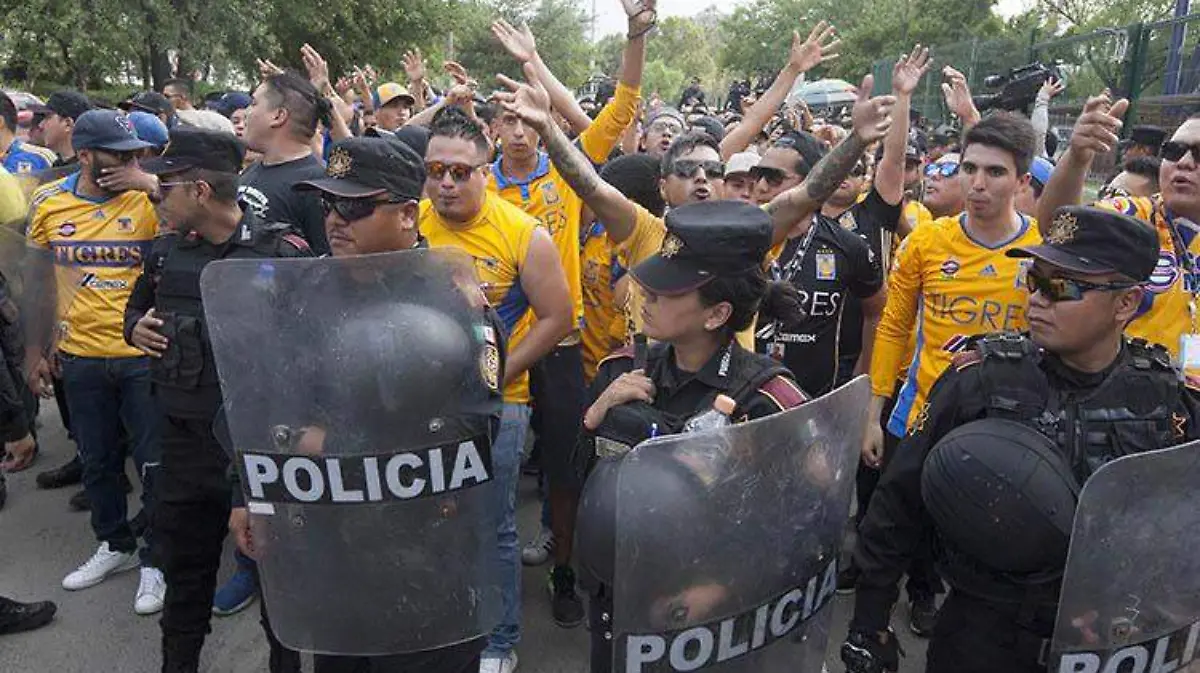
(351,210)
(687,168)
(1175,150)
(773,176)
(1067,289)
(946,169)
(665,127)
(437,170)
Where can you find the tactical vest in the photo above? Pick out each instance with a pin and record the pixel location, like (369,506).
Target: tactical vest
(185,377)
(1131,411)
(629,424)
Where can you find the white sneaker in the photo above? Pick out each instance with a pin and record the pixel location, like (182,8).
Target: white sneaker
(506,665)
(103,563)
(151,590)
(537,551)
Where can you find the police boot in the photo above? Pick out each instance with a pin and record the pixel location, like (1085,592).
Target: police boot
(181,654)
(16,617)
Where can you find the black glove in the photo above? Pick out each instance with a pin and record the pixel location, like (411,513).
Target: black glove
(863,653)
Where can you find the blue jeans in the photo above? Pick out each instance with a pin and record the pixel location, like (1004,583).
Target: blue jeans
(506,465)
(105,394)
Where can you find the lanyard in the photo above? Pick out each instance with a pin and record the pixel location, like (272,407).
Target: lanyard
(790,270)
(1187,264)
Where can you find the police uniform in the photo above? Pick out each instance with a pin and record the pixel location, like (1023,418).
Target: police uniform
(194,499)
(703,241)
(1001,609)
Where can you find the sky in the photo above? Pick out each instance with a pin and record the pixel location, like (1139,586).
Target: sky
(610,17)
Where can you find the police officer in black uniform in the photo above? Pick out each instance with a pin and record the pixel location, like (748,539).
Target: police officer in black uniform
(165,318)
(1082,394)
(704,286)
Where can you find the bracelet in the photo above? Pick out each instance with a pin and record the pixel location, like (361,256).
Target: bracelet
(653,24)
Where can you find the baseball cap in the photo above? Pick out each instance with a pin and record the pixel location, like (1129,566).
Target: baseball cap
(108,130)
(198,148)
(231,101)
(710,125)
(741,162)
(1150,136)
(706,240)
(1091,240)
(1040,169)
(148,101)
(70,104)
(390,91)
(149,128)
(361,167)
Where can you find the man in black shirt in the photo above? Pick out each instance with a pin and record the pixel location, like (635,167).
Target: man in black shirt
(280,124)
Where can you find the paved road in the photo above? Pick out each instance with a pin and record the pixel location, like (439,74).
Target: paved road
(97,631)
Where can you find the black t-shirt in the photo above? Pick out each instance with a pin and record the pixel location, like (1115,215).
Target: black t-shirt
(268,191)
(871,217)
(837,270)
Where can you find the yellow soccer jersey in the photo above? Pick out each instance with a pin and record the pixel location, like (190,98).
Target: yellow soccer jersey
(1164,316)
(546,195)
(498,240)
(948,288)
(602,269)
(106,241)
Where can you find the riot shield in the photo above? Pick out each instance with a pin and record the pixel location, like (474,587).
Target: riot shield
(1131,590)
(360,395)
(40,291)
(728,541)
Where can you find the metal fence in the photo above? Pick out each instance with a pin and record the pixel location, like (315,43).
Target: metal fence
(1155,65)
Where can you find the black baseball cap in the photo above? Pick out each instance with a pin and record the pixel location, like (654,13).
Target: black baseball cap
(191,147)
(70,104)
(706,240)
(148,101)
(107,130)
(1090,240)
(361,167)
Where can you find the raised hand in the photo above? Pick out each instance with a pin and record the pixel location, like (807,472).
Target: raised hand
(958,94)
(518,43)
(642,15)
(459,73)
(909,70)
(1098,128)
(414,65)
(1051,88)
(820,46)
(318,69)
(872,117)
(267,69)
(528,100)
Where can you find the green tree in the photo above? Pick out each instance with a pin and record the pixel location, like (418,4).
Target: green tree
(558,25)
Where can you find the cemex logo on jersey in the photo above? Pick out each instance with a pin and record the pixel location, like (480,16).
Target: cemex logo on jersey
(1152,656)
(717,642)
(288,478)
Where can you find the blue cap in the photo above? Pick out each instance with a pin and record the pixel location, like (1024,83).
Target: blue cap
(107,130)
(231,102)
(149,128)
(1040,170)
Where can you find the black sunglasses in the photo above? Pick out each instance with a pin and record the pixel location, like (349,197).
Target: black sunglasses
(1175,150)
(1067,289)
(773,176)
(352,209)
(687,168)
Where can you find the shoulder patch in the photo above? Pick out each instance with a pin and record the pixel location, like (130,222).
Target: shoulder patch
(783,392)
(297,242)
(625,352)
(1192,381)
(961,361)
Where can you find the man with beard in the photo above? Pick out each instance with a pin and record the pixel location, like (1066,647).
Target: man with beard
(164,319)
(106,235)
(1168,313)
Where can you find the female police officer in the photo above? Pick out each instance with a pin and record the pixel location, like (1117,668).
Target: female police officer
(704,285)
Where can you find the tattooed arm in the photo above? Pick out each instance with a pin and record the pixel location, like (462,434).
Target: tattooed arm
(872,118)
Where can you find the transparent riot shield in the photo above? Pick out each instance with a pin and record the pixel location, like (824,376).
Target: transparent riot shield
(728,541)
(361,395)
(37,293)
(1131,590)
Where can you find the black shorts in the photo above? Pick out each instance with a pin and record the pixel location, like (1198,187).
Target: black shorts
(559,395)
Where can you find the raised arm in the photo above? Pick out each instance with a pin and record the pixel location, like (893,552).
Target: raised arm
(521,45)
(1097,130)
(906,75)
(872,118)
(821,46)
